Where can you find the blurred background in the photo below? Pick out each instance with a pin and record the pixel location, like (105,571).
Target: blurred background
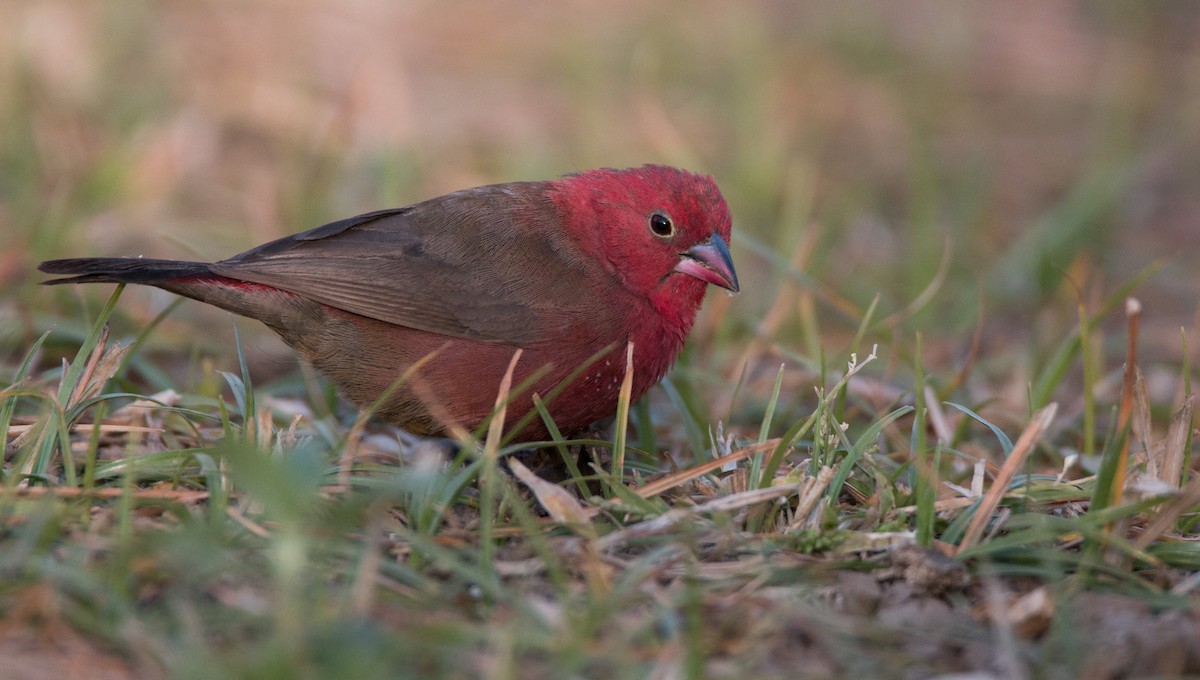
(982,167)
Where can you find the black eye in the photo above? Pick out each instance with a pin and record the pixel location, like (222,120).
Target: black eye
(661,225)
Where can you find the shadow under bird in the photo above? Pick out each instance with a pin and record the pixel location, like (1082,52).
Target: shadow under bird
(561,269)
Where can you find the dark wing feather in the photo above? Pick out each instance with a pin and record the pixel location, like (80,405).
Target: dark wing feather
(488,263)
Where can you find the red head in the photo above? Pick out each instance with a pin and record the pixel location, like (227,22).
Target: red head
(664,232)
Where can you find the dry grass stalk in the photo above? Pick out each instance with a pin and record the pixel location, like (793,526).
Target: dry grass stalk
(1133,314)
(624,399)
(180,495)
(1170,469)
(491,446)
(1140,421)
(668,520)
(1016,459)
(673,480)
(562,506)
(105,428)
(1164,520)
(812,490)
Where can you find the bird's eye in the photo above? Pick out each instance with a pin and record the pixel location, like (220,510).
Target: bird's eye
(661,225)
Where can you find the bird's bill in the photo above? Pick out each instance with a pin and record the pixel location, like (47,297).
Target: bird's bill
(710,262)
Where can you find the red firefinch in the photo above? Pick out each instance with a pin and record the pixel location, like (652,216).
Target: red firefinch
(561,269)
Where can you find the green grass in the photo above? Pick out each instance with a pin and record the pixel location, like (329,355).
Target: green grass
(936,240)
(239,548)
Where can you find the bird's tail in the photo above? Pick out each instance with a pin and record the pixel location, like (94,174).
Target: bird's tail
(276,308)
(121,270)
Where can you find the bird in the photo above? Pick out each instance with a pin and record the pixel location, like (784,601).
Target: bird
(418,311)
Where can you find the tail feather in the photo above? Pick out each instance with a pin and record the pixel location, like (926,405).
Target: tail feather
(120,270)
(276,308)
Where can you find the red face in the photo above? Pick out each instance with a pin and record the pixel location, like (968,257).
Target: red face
(663,231)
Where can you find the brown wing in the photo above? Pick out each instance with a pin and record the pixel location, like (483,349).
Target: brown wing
(488,263)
